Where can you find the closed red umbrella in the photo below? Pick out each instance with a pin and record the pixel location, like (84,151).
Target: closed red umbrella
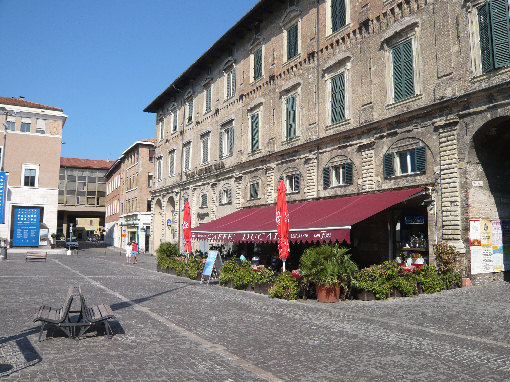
(186,228)
(282,223)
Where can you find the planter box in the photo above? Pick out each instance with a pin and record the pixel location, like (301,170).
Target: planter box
(328,294)
(365,295)
(395,293)
(227,284)
(466,282)
(262,288)
(249,287)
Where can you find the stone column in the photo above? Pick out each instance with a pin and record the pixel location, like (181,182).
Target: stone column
(238,179)
(270,184)
(311,177)
(214,197)
(367,167)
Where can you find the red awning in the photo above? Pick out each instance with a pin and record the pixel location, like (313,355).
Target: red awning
(317,220)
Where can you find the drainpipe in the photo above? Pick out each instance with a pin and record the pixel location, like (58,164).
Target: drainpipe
(317,95)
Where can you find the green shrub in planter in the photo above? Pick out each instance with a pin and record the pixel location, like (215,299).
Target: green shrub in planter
(405,283)
(227,271)
(195,267)
(428,279)
(180,267)
(373,279)
(166,254)
(264,275)
(285,286)
(244,276)
(328,264)
(451,280)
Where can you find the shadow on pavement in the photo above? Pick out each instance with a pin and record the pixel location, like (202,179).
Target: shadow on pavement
(125,304)
(19,352)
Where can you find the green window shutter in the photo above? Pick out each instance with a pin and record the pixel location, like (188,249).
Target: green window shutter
(348,173)
(292,41)
(291,117)
(229,83)
(257,64)
(500,32)
(229,195)
(485,38)
(337,98)
(388,165)
(204,200)
(221,143)
(398,91)
(297,182)
(231,141)
(338,14)
(233,82)
(175,121)
(408,68)
(326,177)
(288,116)
(254,131)
(421,158)
(190,111)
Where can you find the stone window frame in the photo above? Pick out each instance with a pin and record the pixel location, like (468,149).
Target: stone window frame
(329,23)
(203,200)
(30,166)
(256,44)
(335,162)
(174,120)
(334,67)
(189,110)
(474,41)
(254,182)
(229,68)
(406,29)
(227,125)
(291,17)
(225,191)
(161,128)
(286,175)
(402,145)
(208,86)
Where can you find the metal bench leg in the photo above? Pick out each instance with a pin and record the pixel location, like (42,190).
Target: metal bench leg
(108,329)
(41,331)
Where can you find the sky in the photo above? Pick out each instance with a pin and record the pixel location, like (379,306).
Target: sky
(104,61)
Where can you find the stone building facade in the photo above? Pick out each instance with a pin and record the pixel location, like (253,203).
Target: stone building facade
(30,153)
(128,200)
(342,97)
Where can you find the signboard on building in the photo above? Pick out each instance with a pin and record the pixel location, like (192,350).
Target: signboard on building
(26,227)
(3,192)
(489,245)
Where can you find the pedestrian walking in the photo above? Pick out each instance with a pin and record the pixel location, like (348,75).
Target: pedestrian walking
(134,247)
(128,253)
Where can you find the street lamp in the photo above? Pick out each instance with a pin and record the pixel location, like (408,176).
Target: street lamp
(4,110)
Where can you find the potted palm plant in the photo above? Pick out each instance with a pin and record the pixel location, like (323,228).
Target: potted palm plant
(331,269)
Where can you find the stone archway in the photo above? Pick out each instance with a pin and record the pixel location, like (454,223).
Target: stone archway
(488,171)
(157,224)
(170,234)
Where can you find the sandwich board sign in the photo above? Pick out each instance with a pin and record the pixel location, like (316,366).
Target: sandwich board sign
(212,266)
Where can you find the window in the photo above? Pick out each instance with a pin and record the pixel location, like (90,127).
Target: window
(40,127)
(338,15)
(254,121)
(161,129)
(227,141)
(11,124)
(190,110)
(292,41)
(30,175)
(149,205)
(254,190)
(204,139)
(208,98)
(187,156)
(257,64)
(226,196)
(403,71)
(493,28)
(292,183)
(171,163)
(159,168)
(174,121)
(203,201)
(337,175)
(290,116)
(230,79)
(405,162)
(149,180)
(25,126)
(338,98)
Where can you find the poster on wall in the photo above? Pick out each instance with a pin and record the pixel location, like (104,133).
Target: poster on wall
(476,260)
(497,246)
(486,232)
(474,233)
(487,261)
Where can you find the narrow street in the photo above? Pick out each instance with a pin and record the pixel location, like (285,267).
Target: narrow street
(169,328)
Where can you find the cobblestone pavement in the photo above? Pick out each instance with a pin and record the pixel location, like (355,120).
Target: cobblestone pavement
(169,328)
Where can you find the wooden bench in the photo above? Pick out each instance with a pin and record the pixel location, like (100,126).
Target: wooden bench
(93,316)
(36,256)
(58,317)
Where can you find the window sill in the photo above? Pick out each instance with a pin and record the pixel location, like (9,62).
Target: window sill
(226,204)
(409,174)
(206,112)
(229,98)
(336,33)
(292,61)
(254,152)
(404,101)
(226,156)
(489,75)
(254,82)
(338,125)
(205,164)
(291,141)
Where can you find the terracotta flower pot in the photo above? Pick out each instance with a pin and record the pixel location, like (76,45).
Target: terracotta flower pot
(327,293)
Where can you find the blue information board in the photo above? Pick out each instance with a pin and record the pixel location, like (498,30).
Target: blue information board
(26,227)
(208,267)
(3,192)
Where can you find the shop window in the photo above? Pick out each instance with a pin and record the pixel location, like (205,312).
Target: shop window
(337,175)
(406,162)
